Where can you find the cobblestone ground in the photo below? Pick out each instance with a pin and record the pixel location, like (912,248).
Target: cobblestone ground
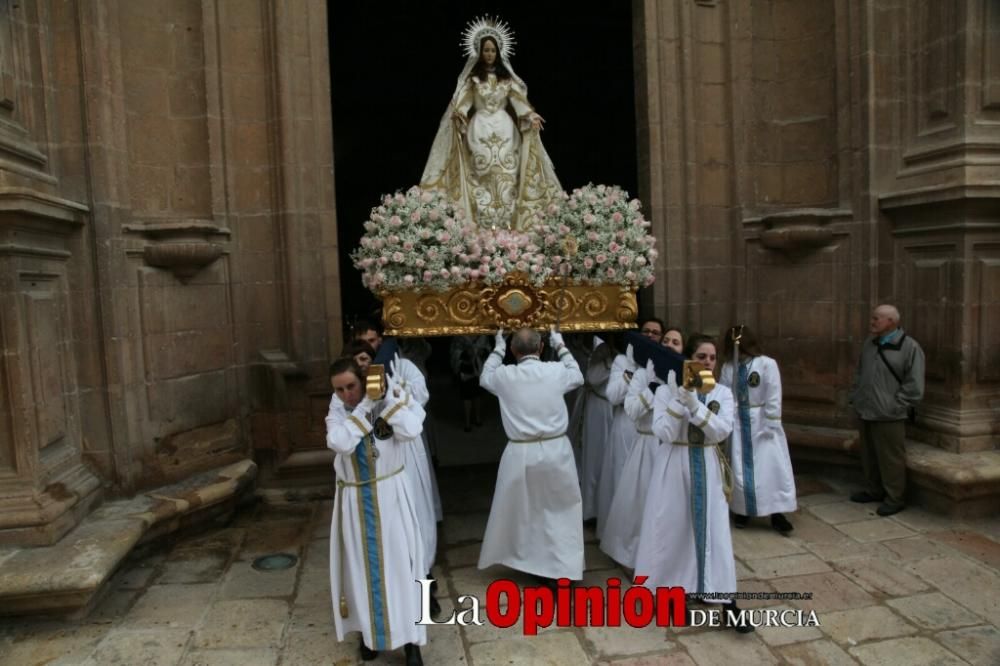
(911,589)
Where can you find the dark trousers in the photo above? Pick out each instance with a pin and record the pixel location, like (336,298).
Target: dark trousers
(883,459)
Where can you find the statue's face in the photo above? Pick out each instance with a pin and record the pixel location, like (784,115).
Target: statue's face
(489,54)
(705,354)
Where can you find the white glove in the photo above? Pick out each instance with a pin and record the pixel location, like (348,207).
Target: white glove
(688,398)
(671,383)
(555,338)
(628,355)
(501,344)
(651,373)
(392,382)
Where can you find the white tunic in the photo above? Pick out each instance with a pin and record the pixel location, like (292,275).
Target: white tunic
(621,537)
(763,482)
(684,539)
(419,471)
(597,417)
(535,522)
(374,530)
(620,440)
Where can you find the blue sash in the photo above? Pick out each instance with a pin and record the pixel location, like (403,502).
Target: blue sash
(371,540)
(699,500)
(746,441)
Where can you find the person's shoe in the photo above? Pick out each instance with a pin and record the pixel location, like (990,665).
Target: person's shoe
(367,654)
(435,607)
(780,523)
(742,627)
(886,509)
(740,521)
(413,657)
(863,497)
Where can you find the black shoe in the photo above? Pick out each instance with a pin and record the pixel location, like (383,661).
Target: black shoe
(366,654)
(413,657)
(740,521)
(886,509)
(435,608)
(863,497)
(780,523)
(743,627)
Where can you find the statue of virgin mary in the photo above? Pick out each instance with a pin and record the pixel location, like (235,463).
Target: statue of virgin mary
(487,154)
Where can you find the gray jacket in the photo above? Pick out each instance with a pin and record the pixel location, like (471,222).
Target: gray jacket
(875,393)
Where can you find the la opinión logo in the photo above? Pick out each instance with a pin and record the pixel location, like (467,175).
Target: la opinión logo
(593,606)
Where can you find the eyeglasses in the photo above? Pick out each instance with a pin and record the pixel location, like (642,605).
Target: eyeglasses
(647,331)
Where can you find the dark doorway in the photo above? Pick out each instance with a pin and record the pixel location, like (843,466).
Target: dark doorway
(394,65)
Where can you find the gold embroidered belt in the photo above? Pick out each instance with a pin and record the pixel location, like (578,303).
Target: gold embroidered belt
(341,484)
(538,439)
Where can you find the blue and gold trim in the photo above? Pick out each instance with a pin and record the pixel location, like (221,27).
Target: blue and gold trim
(363,461)
(699,506)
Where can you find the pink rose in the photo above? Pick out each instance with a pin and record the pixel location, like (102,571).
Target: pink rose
(592,235)
(614,247)
(415,216)
(474,274)
(419,263)
(610,272)
(624,260)
(394,221)
(408,246)
(397,257)
(407,279)
(434,214)
(521,266)
(601,258)
(630,276)
(588,219)
(428,276)
(382,261)
(588,263)
(426,197)
(616,217)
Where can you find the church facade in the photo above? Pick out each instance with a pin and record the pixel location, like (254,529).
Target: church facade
(169,282)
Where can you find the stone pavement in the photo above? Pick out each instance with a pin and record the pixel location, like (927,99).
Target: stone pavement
(911,589)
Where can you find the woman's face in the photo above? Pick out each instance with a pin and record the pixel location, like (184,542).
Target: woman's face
(363,360)
(672,339)
(489,52)
(705,354)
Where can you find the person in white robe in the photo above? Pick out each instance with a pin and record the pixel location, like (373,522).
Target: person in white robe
(597,417)
(376,554)
(621,537)
(419,470)
(621,437)
(535,522)
(684,539)
(763,482)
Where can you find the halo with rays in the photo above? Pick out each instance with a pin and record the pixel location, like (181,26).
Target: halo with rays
(488,26)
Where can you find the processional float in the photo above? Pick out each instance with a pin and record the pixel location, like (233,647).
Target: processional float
(489,239)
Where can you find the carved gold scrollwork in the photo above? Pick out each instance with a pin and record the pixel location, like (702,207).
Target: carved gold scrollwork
(475,308)
(628,309)
(463,306)
(430,308)
(594,303)
(392,312)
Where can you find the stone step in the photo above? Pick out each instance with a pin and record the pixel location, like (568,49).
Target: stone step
(964,485)
(65,577)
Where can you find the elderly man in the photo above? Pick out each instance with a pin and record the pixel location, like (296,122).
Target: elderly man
(888,384)
(535,522)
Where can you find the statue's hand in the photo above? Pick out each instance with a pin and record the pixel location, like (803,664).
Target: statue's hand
(537,122)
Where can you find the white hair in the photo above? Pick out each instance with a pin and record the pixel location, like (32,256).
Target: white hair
(889,311)
(526,341)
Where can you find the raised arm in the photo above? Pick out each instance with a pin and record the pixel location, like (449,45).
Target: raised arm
(404,413)
(411,379)
(345,429)
(639,398)
(571,369)
(618,381)
(488,377)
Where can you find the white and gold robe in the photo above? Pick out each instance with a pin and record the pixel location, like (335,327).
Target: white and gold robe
(621,536)
(376,554)
(535,522)
(763,482)
(685,539)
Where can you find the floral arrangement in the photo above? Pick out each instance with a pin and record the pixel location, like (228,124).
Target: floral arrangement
(611,241)
(421,240)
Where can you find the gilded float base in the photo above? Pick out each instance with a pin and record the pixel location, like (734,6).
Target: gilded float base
(475,308)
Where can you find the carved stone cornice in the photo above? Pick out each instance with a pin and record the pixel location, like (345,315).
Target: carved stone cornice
(18,203)
(184,247)
(798,231)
